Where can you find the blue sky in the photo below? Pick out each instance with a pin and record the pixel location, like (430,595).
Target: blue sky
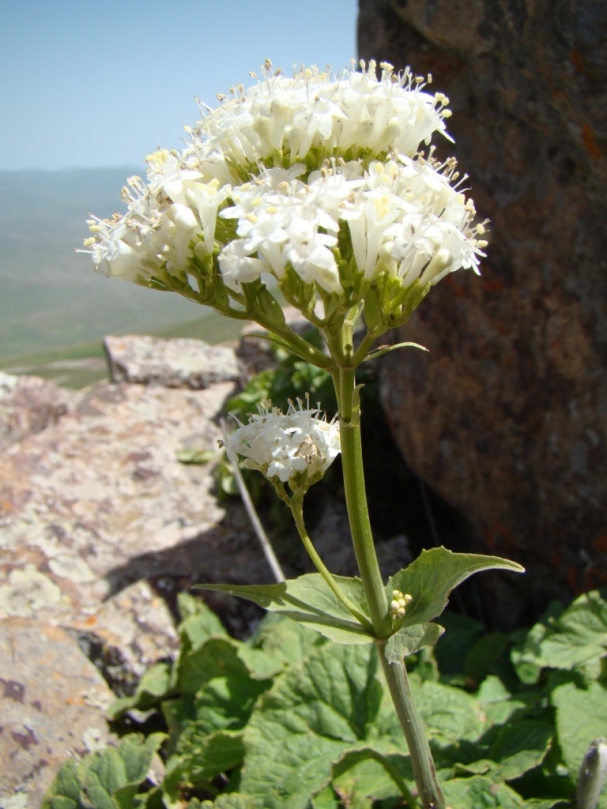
(86,83)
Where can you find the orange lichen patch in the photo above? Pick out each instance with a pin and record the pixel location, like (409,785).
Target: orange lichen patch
(457,288)
(556,558)
(493,284)
(590,142)
(577,61)
(497,535)
(594,577)
(6,505)
(600,544)
(572,578)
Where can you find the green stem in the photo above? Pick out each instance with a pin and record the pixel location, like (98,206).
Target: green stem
(297,344)
(296,505)
(424,770)
(364,347)
(356,501)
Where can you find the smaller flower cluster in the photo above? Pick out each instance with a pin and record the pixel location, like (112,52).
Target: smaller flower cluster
(170,222)
(297,446)
(398,604)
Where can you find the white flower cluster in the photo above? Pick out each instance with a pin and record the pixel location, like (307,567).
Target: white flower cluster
(403,217)
(272,177)
(316,115)
(288,444)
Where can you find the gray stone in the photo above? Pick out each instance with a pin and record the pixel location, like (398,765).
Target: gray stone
(101,501)
(100,525)
(52,706)
(506,418)
(28,405)
(126,634)
(180,363)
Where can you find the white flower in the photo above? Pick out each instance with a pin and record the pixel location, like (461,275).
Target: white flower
(316,110)
(280,176)
(283,445)
(308,253)
(205,199)
(409,220)
(238,266)
(112,253)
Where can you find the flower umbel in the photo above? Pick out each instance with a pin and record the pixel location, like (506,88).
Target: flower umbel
(318,181)
(296,447)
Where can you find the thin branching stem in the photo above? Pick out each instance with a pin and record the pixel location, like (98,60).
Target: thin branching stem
(297,511)
(263,538)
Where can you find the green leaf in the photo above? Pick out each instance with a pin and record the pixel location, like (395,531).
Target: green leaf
(120,772)
(326,799)
(313,714)
(284,643)
(385,349)
(202,758)
(479,792)
(261,665)
(231,801)
(309,601)
(411,639)
(520,747)
(563,640)
(219,687)
(153,686)
(432,576)
(199,621)
(450,714)
(581,717)
(460,636)
(102,777)
(137,755)
(364,776)
(195,456)
(486,651)
(217,657)
(497,704)
(65,789)
(225,703)
(150,800)
(109,779)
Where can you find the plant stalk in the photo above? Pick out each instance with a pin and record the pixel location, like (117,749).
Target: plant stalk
(356,502)
(424,770)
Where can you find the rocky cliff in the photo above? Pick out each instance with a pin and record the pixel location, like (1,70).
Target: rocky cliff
(506,418)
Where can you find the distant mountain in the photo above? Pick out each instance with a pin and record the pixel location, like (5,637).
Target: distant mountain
(50,297)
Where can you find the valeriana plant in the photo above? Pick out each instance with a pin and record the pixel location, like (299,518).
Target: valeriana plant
(327,185)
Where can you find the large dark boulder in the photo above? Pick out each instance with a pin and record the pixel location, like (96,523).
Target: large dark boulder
(506,418)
